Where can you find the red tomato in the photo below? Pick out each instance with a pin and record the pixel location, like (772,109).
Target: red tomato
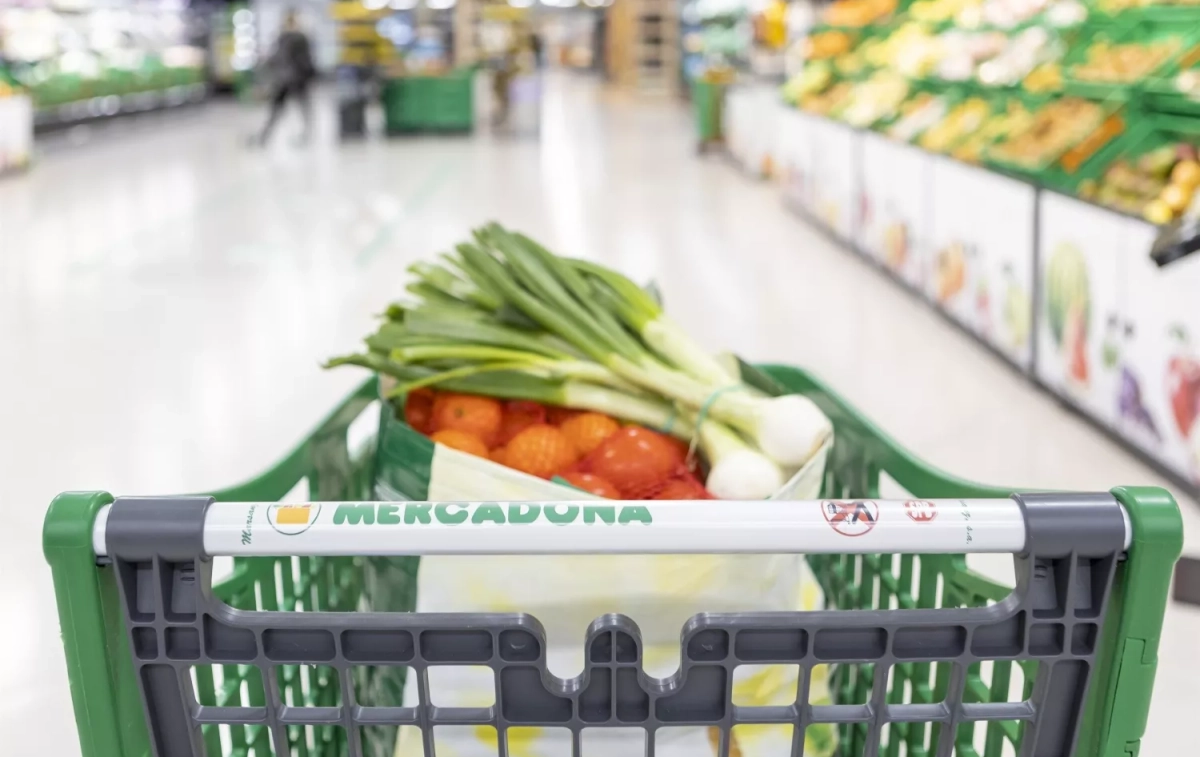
(593,484)
(418,410)
(637,461)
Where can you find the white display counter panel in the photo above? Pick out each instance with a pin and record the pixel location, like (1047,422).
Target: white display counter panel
(795,147)
(750,123)
(1081,303)
(835,177)
(896,206)
(16,132)
(981,257)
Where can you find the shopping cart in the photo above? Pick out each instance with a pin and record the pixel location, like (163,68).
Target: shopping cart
(162,662)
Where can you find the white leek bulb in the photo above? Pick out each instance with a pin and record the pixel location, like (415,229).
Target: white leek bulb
(737,471)
(791,428)
(744,475)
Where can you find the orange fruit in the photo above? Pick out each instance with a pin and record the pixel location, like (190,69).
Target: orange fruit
(518,416)
(637,461)
(461,441)
(480,416)
(418,409)
(541,450)
(592,484)
(499,455)
(587,431)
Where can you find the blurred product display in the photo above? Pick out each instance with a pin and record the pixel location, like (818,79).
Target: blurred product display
(234,48)
(1029,167)
(87,59)
(749,36)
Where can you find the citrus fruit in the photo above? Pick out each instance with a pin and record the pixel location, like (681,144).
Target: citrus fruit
(587,431)
(462,441)
(541,450)
(480,416)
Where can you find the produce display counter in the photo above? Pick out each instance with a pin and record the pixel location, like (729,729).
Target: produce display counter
(54,115)
(1062,288)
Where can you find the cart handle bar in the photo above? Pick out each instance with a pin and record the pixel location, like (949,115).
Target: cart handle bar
(944,526)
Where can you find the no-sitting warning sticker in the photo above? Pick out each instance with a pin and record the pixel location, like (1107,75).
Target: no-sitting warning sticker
(853,518)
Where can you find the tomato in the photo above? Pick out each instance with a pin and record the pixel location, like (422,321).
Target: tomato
(418,410)
(592,484)
(637,461)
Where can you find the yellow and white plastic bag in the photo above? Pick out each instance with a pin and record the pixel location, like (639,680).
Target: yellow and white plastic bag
(566,593)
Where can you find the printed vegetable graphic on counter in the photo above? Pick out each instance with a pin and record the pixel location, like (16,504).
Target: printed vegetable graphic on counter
(983,308)
(1018,313)
(1068,307)
(1183,387)
(1132,412)
(950,274)
(1130,405)
(509,334)
(895,246)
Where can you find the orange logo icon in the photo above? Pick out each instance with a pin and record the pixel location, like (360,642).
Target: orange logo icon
(291,520)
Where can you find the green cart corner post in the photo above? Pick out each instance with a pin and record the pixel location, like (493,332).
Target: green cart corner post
(119,655)
(708,99)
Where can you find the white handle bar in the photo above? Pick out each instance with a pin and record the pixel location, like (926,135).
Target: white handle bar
(610,527)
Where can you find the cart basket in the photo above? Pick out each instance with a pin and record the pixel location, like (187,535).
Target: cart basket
(277,659)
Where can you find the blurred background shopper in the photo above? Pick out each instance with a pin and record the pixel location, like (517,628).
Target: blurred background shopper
(290,71)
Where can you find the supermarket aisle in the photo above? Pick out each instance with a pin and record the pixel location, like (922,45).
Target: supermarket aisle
(165,297)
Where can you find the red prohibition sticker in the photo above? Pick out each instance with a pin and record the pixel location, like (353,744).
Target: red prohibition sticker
(852,518)
(921,510)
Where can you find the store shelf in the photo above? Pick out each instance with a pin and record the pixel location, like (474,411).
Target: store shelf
(113,106)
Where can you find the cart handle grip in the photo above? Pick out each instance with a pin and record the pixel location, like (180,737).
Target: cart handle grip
(938,526)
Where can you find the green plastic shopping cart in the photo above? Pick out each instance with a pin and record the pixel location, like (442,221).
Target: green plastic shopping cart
(289,655)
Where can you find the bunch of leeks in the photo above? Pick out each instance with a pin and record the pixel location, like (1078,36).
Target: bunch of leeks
(504,317)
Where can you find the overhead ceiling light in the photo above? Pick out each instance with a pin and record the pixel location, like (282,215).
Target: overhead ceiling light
(402,5)
(440,5)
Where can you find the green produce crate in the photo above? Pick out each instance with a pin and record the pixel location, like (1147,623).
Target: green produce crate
(1148,132)
(1117,34)
(1161,94)
(1061,171)
(1088,604)
(430,103)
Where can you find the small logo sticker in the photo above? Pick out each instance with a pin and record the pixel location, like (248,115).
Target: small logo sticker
(853,518)
(920,510)
(291,520)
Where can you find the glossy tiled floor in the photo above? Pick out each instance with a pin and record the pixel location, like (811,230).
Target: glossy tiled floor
(166,295)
